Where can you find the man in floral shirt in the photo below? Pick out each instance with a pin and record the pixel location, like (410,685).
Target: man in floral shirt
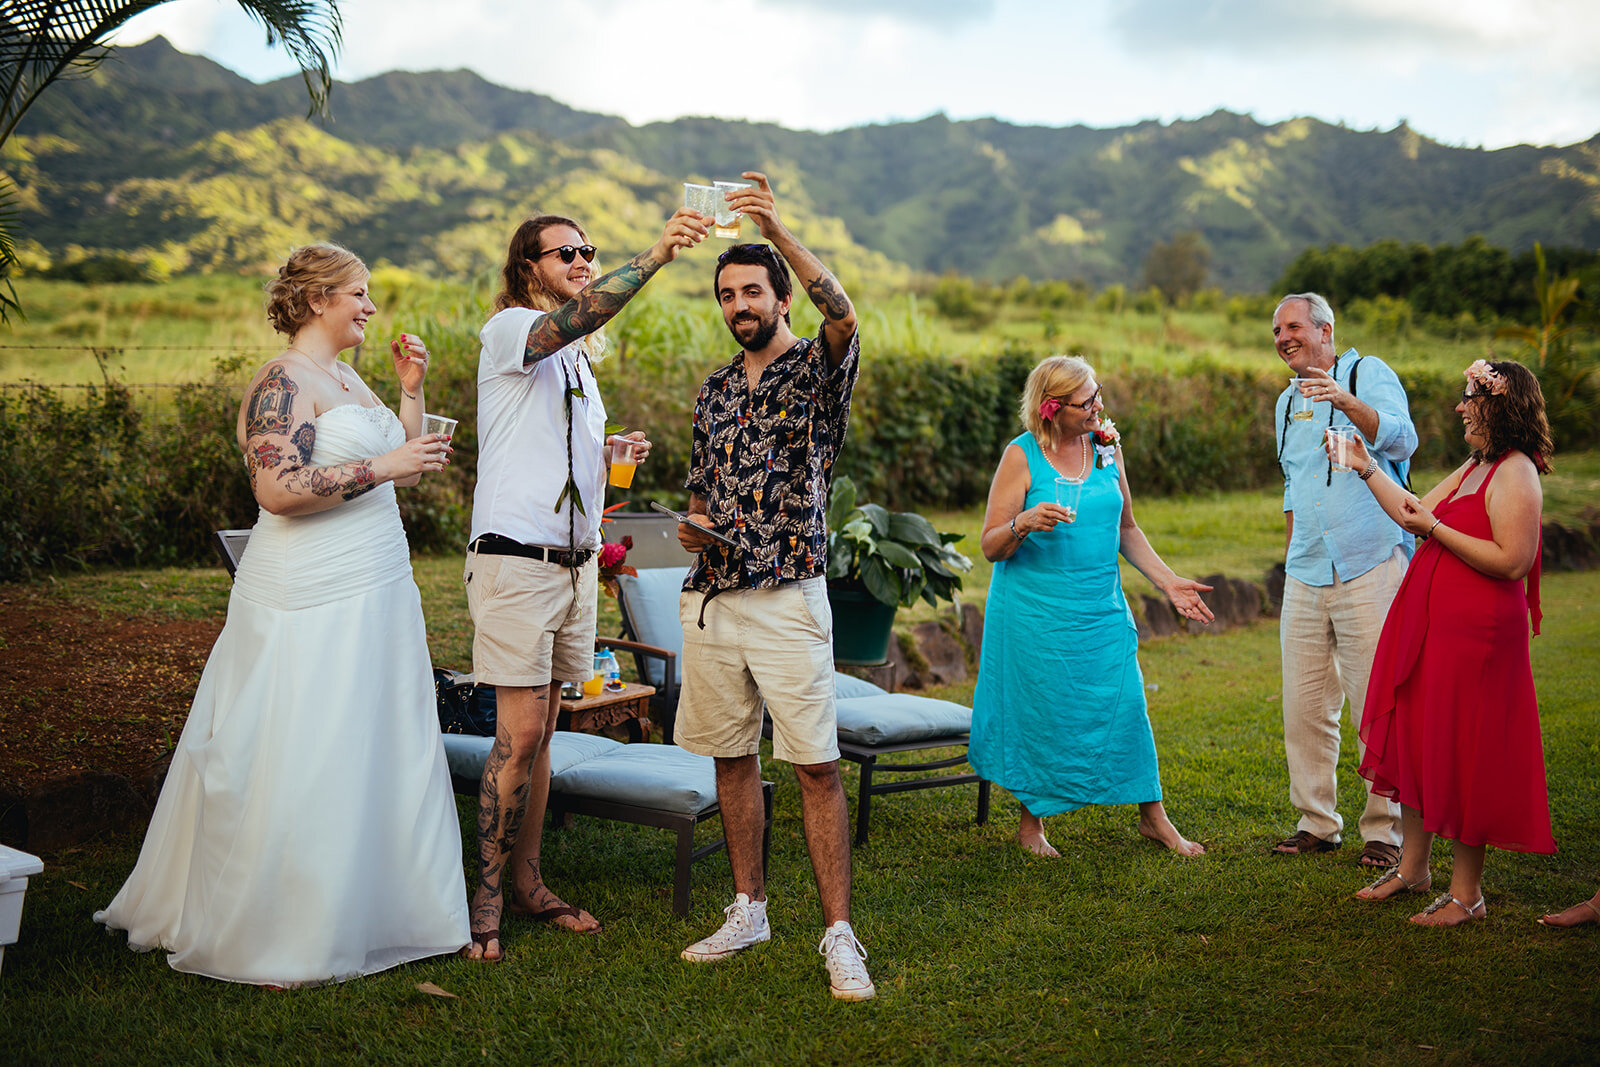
(757,628)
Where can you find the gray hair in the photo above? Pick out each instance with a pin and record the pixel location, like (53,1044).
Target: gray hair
(1321,314)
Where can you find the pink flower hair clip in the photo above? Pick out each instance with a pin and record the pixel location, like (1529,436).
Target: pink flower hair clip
(1048,409)
(1485,377)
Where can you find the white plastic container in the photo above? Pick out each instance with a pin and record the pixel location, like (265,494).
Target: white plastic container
(15,867)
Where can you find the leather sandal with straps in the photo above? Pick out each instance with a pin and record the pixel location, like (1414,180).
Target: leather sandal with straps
(1393,875)
(1477,910)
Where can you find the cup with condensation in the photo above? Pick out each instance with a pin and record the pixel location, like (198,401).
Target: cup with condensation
(700,198)
(624,458)
(727,217)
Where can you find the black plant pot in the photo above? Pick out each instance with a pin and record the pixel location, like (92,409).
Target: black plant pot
(862,625)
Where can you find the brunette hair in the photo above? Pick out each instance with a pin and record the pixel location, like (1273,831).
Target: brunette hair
(1514,419)
(309,273)
(756,255)
(1058,376)
(520,284)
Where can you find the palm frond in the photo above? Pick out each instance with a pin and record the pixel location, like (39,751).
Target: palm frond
(8,251)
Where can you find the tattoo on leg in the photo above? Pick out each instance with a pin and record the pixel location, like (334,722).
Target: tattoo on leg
(271,404)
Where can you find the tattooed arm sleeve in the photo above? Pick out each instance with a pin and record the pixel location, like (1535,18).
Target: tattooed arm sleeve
(279,435)
(838,313)
(590,309)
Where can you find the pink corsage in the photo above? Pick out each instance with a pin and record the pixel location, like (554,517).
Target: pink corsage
(1048,409)
(1485,377)
(1106,440)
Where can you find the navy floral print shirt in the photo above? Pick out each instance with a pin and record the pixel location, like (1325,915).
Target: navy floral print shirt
(763,461)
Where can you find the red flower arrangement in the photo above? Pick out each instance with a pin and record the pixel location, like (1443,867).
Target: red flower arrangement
(613,557)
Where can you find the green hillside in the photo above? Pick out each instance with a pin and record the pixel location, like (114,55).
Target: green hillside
(179,164)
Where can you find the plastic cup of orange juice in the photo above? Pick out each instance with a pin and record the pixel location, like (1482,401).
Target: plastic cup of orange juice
(624,458)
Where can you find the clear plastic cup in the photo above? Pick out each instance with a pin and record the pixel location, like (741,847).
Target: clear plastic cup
(1068,490)
(727,218)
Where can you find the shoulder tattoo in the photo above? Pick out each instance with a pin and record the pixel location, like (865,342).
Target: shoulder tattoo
(271,404)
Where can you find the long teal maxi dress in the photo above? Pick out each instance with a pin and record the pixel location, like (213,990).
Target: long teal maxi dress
(1059,714)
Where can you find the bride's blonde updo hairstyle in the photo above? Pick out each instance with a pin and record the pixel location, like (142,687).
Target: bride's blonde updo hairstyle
(311,273)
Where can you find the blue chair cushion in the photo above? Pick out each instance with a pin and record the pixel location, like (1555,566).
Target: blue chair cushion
(896,718)
(847,686)
(664,777)
(652,599)
(466,753)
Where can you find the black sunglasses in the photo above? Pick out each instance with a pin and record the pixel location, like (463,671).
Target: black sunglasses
(567,252)
(759,249)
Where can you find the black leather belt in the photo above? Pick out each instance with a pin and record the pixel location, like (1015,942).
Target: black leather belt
(491,544)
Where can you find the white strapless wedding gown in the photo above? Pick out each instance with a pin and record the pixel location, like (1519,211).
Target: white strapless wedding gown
(307,829)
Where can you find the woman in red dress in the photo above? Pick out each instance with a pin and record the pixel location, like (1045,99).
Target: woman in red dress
(1451,722)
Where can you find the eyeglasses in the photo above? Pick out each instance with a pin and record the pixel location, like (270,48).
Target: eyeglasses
(567,252)
(1087,405)
(1467,394)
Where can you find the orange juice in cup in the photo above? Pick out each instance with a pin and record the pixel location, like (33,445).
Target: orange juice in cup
(624,458)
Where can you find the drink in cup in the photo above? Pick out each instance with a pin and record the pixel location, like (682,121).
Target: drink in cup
(439,424)
(595,684)
(727,217)
(1299,403)
(700,198)
(1067,492)
(1341,441)
(624,458)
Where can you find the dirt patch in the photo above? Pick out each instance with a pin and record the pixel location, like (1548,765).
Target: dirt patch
(81,692)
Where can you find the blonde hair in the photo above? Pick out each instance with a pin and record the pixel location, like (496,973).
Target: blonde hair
(1058,376)
(521,286)
(309,273)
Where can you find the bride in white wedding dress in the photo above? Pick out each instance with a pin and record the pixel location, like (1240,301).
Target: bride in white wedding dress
(307,830)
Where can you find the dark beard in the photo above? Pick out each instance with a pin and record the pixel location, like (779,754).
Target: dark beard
(763,336)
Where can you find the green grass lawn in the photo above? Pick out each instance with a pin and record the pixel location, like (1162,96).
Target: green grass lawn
(1117,952)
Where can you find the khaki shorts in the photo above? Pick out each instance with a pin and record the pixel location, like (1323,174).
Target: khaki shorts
(775,644)
(529,626)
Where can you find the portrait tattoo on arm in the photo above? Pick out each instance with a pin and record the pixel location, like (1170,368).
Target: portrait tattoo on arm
(271,405)
(590,309)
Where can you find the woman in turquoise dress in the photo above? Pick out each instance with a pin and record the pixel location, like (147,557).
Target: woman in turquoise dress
(1059,714)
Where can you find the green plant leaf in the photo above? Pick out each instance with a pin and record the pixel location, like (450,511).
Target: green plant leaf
(841,502)
(905,526)
(878,516)
(899,555)
(881,581)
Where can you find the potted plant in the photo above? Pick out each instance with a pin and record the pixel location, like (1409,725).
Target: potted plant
(880,561)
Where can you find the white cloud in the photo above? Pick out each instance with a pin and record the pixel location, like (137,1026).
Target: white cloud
(1464,71)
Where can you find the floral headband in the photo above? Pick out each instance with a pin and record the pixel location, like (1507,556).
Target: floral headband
(1485,377)
(1048,409)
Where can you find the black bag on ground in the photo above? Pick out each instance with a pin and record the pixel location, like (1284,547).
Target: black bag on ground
(464,708)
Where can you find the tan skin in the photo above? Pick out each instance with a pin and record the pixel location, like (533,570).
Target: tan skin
(276,428)
(746,298)
(1070,451)
(1514,501)
(515,791)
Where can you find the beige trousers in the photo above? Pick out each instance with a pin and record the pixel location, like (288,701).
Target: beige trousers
(1328,635)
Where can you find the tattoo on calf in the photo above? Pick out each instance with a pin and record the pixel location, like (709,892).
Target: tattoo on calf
(271,404)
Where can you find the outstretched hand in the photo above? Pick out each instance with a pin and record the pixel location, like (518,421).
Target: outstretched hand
(1185,596)
(758,203)
(685,229)
(410,361)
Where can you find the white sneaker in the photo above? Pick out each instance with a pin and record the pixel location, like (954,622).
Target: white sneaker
(746,925)
(846,960)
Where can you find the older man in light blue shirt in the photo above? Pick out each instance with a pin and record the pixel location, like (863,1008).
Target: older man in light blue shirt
(1344,561)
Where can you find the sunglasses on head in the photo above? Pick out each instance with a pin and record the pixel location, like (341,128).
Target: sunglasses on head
(567,252)
(765,251)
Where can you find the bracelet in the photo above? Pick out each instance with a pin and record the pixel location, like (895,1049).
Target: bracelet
(1434,527)
(1370,469)
(1018,536)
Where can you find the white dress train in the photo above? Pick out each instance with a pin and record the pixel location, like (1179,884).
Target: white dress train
(307,830)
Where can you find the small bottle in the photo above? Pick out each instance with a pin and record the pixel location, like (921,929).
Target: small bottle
(613,671)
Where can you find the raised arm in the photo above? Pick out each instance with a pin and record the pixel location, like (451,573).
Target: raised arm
(602,298)
(838,314)
(277,431)
(1385,422)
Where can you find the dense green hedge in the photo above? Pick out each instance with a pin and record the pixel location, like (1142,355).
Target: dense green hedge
(96,481)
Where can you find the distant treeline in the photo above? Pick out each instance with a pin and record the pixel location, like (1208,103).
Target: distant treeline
(1445,282)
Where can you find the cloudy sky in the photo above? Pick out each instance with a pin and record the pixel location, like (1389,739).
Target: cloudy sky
(1471,72)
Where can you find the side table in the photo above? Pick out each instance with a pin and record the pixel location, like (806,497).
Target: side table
(628,707)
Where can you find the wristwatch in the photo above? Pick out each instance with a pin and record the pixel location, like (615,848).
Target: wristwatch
(1018,536)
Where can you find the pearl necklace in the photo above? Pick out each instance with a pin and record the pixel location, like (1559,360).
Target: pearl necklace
(339,377)
(1083,461)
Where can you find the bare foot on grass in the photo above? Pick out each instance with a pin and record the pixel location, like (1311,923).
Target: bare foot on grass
(1154,824)
(1036,844)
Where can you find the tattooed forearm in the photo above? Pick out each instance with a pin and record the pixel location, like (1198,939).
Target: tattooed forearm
(829,298)
(271,404)
(589,310)
(352,479)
